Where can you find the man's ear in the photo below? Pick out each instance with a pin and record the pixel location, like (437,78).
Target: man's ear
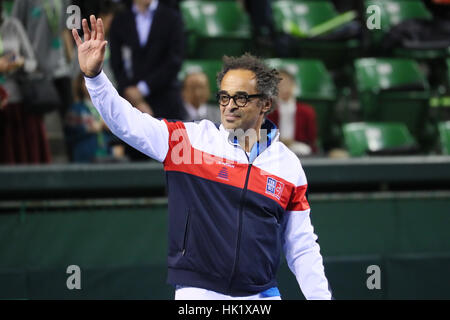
(267,104)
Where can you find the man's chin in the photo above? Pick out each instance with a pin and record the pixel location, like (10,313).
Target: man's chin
(227,124)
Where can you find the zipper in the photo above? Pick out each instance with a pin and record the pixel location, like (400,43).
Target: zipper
(238,242)
(186,232)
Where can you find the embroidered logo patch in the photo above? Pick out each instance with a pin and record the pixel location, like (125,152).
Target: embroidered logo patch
(274,187)
(223,173)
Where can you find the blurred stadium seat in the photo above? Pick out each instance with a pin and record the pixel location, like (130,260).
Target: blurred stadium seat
(306,19)
(209,67)
(444,136)
(394,12)
(314,86)
(393,89)
(364,138)
(215,28)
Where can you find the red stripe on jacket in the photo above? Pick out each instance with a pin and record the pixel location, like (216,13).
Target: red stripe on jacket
(182,157)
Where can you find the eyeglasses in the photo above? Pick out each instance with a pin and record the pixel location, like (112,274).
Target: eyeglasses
(240,99)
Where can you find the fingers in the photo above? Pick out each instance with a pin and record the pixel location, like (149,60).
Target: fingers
(76,37)
(100,30)
(93,27)
(87,33)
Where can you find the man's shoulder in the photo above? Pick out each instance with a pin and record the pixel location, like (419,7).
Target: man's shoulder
(167,11)
(287,153)
(282,162)
(292,160)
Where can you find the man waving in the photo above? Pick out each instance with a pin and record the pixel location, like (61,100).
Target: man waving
(237,195)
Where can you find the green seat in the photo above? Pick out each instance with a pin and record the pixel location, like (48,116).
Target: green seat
(315,87)
(444,136)
(209,67)
(392,13)
(363,138)
(306,16)
(393,90)
(215,28)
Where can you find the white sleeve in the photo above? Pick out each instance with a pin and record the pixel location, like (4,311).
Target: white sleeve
(140,130)
(303,255)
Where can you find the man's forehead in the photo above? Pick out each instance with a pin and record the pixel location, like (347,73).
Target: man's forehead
(239,80)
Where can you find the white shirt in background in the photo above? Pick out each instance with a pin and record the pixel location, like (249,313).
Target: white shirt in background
(286,111)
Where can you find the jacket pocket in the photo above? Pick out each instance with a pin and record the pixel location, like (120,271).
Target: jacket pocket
(186,232)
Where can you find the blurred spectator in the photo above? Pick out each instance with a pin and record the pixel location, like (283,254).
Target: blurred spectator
(175,4)
(45,25)
(96,7)
(22,135)
(147,50)
(107,14)
(196,94)
(296,120)
(89,137)
(263,28)
(260,12)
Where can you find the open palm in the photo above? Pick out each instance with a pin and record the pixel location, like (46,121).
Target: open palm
(91,52)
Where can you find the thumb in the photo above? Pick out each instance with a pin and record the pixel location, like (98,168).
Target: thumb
(103,47)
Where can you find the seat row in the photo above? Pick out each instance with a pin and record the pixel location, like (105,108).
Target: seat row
(389,90)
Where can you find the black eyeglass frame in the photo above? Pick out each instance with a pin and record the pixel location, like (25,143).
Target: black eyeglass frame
(242,94)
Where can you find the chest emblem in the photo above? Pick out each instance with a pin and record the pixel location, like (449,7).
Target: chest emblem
(274,187)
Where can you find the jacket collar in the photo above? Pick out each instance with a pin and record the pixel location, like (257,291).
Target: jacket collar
(269,133)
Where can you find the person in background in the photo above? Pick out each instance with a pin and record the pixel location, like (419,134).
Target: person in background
(45,25)
(23,138)
(147,50)
(266,39)
(175,4)
(261,17)
(196,93)
(107,14)
(89,136)
(296,120)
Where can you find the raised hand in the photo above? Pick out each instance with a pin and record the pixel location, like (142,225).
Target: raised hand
(91,52)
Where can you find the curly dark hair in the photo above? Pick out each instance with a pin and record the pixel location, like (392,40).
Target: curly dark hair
(267,79)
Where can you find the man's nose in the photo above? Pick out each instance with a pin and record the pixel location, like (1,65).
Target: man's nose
(231,104)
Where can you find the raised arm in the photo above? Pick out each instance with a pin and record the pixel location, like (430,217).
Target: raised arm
(139,130)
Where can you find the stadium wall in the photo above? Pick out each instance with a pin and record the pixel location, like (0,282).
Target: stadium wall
(120,246)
